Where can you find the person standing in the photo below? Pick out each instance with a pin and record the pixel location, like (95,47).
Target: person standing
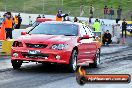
(75,19)
(60,16)
(96,26)
(81,9)
(111,13)
(38,16)
(43,16)
(91,11)
(116,30)
(68,18)
(124,27)
(19,21)
(9,24)
(16,21)
(105,12)
(119,12)
(30,21)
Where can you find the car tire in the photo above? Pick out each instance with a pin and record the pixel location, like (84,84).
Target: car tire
(16,64)
(96,60)
(73,61)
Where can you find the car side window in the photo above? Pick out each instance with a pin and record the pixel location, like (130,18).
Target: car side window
(82,31)
(89,31)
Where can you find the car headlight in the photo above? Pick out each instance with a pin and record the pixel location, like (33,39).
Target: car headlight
(59,46)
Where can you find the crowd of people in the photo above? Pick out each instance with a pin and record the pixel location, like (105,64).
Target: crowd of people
(10,23)
(39,16)
(108,12)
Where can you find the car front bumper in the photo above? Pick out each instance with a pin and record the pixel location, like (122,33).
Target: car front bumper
(46,55)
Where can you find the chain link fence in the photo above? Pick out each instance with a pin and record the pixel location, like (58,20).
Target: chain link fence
(50,7)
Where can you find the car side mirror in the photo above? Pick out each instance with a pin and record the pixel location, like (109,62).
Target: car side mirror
(23,33)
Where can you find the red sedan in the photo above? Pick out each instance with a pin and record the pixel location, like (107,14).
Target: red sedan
(66,43)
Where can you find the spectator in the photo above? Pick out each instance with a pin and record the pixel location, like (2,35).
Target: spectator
(91,11)
(124,27)
(19,20)
(105,12)
(43,16)
(68,19)
(116,31)
(111,13)
(107,38)
(75,19)
(60,15)
(119,12)
(16,21)
(108,12)
(96,26)
(81,9)
(8,22)
(30,21)
(39,16)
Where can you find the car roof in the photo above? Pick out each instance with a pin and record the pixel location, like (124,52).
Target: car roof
(62,22)
(43,19)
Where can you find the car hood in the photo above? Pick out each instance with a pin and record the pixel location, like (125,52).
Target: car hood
(46,38)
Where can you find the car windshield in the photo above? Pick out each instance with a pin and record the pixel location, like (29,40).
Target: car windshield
(35,24)
(56,29)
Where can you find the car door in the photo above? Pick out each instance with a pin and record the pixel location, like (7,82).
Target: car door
(84,52)
(92,43)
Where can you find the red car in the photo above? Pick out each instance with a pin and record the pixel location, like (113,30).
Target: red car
(65,43)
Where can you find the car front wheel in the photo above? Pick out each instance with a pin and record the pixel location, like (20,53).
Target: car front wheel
(73,61)
(16,64)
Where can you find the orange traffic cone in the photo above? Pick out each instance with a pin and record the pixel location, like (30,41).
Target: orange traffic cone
(2,32)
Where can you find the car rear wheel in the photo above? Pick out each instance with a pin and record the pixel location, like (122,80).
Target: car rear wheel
(73,61)
(16,64)
(96,60)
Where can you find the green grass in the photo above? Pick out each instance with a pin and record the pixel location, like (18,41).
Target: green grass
(72,6)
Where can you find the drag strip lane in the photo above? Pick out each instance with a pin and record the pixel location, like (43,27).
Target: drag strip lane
(32,76)
(105,58)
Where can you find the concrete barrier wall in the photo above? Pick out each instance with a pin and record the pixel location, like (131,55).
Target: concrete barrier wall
(6,46)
